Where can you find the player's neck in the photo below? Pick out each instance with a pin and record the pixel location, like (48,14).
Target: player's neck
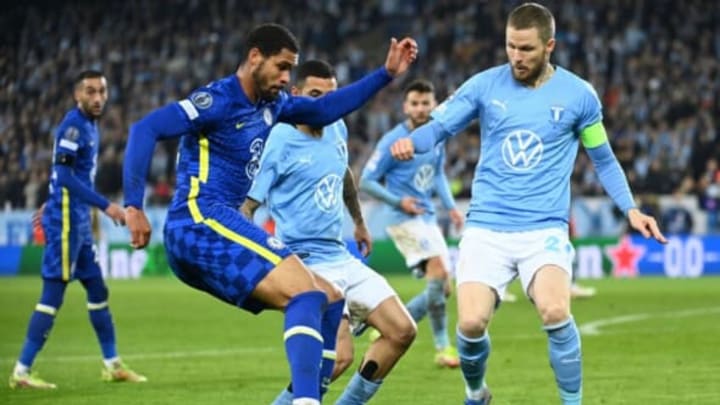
(247,84)
(544,76)
(310,131)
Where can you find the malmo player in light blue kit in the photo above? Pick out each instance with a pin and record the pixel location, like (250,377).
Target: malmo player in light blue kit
(532,116)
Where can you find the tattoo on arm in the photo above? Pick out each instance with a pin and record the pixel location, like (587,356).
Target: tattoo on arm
(350,197)
(248,208)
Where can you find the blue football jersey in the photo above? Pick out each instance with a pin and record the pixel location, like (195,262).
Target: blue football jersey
(77,136)
(529,142)
(301,180)
(418,178)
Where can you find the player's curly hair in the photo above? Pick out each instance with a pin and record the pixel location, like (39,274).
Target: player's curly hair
(270,39)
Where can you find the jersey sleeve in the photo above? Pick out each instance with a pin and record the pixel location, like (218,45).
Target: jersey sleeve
(270,166)
(442,185)
(205,107)
(69,139)
(463,106)
(591,108)
(380,162)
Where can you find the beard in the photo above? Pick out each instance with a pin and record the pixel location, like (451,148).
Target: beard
(419,121)
(531,75)
(264,90)
(92,109)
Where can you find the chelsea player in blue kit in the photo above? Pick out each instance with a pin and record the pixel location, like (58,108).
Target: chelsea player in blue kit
(69,253)
(532,116)
(223,126)
(408,191)
(304,178)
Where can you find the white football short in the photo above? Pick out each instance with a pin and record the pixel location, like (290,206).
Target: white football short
(418,240)
(364,289)
(497,258)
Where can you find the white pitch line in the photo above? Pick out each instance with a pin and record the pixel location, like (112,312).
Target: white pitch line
(159,355)
(593,327)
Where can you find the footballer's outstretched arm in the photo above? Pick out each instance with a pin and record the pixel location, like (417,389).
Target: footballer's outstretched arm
(327,109)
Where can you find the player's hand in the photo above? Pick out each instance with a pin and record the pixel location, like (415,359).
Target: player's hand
(400,56)
(645,224)
(139,227)
(37,218)
(363,239)
(402,149)
(409,205)
(116,213)
(457,218)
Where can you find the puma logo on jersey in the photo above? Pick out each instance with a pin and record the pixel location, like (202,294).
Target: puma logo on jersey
(499,103)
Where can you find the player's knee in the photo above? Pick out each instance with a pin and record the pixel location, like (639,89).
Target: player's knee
(435,268)
(473,326)
(554,313)
(402,335)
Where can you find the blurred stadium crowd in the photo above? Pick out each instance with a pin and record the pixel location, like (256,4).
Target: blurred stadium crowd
(654,64)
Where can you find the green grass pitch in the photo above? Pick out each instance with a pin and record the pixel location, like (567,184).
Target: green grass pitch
(645,341)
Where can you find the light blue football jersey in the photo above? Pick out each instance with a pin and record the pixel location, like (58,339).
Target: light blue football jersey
(529,142)
(420,177)
(301,180)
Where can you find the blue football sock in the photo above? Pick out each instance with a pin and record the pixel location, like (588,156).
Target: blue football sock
(304,343)
(99,312)
(330,323)
(42,320)
(566,359)
(358,391)
(436,312)
(418,306)
(473,353)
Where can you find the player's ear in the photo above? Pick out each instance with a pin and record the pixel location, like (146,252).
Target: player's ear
(550,46)
(254,56)
(294,91)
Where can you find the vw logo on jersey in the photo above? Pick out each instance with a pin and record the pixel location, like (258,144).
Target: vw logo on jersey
(522,150)
(424,177)
(256,148)
(327,193)
(267,116)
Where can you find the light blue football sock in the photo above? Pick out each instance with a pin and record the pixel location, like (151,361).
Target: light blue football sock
(418,306)
(358,391)
(473,353)
(437,313)
(284,398)
(566,360)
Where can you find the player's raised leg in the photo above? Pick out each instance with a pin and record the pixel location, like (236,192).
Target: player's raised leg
(291,286)
(397,332)
(330,324)
(550,291)
(41,323)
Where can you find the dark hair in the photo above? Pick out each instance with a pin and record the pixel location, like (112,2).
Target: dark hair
(87,74)
(270,39)
(533,15)
(419,85)
(315,68)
